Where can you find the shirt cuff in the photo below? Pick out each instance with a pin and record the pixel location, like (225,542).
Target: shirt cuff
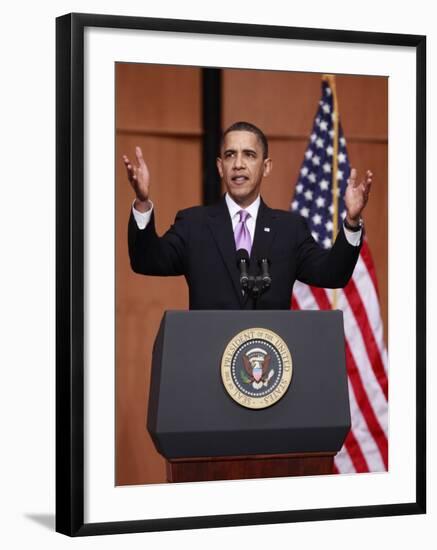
(353,237)
(142,218)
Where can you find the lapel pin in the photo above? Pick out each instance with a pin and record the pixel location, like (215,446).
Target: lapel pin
(267,229)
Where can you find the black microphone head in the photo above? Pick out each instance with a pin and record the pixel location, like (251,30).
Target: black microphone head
(242,254)
(264,264)
(263,261)
(243,266)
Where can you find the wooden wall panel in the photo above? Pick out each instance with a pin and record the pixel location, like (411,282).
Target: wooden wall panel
(280,103)
(363,107)
(284,104)
(165,125)
(158,99)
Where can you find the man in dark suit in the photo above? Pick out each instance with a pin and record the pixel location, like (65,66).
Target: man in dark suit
(203,241)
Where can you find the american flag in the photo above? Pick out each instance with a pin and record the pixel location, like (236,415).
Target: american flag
(366,446)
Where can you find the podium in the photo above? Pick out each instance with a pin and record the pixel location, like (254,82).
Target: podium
(209,427)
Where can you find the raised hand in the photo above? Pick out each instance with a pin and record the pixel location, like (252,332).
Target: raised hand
(139,178)
(357,195)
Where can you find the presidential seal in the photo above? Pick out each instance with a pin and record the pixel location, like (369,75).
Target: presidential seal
(256,368)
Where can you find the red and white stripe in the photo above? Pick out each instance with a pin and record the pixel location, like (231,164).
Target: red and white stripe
(366,446)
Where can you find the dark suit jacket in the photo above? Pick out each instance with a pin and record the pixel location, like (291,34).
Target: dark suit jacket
(200,245)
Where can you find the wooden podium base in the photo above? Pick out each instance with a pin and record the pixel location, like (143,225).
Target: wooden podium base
(249,467)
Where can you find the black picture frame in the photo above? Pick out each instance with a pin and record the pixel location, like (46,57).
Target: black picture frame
(70,273)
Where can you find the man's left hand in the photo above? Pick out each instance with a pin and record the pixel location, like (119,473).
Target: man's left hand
(356,196)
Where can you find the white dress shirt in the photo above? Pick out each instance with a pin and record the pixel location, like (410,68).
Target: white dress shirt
(234,210)
(143,218)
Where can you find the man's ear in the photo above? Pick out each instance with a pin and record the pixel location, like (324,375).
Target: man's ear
(268,166)
(219,166)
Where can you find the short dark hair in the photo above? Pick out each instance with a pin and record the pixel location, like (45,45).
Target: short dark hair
(243,126)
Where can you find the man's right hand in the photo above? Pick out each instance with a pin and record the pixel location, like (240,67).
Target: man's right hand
(139,177)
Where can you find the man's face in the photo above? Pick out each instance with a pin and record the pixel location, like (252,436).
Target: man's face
(242,167)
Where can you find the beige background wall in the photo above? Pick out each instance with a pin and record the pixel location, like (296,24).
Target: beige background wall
(159,108)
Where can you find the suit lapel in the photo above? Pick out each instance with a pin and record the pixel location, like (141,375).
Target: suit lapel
(265,230)
(221,227)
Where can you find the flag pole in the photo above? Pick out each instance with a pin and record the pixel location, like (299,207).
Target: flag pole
(330,79)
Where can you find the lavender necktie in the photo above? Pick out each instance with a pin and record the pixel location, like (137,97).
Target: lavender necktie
(241,233)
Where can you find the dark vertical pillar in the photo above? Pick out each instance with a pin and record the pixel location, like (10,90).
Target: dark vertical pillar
(212,129)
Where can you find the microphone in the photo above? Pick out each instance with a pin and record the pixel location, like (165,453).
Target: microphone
(243,266)
(265,275)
